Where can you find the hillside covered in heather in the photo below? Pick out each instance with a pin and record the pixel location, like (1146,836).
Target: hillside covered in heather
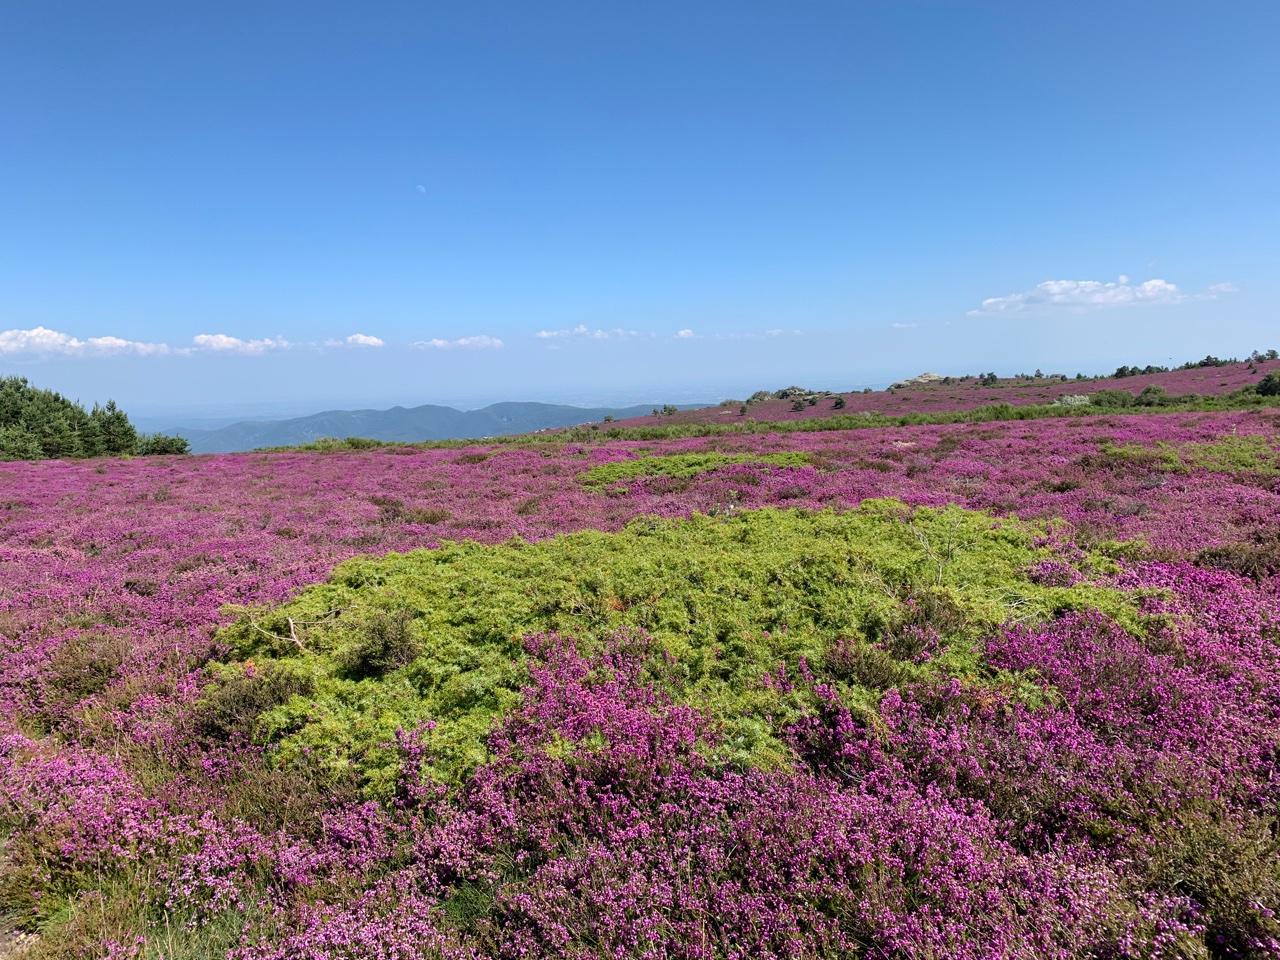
(639,481)
(1215,378)
(999,689)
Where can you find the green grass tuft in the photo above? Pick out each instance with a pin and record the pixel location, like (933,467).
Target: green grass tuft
(683,466)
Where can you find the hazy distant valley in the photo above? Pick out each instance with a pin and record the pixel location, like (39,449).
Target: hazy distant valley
(407,424)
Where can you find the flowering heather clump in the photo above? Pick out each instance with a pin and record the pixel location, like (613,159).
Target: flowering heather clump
(603,827)
(883,732)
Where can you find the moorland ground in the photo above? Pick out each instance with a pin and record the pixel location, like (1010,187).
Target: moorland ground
(1003,689)
(1217,378)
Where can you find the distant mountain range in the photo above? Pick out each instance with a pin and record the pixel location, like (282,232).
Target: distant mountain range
(404,424)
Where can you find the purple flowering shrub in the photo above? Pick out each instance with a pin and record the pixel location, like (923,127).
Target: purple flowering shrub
(604,826)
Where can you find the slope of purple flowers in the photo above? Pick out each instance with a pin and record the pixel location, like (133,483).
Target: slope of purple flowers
(970,394)
(1130,810)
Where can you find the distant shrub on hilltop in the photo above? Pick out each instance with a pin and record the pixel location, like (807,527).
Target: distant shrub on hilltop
(40,424)
(1127,371)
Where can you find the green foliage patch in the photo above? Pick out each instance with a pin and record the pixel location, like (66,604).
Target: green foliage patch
(862,600)
(1228,454)
(40,424)
(1232,454)
(682,466)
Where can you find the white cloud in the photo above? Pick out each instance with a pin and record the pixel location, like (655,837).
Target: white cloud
(684,335)
(581,330)
(117,345)
(363,340)
(43,340)
(478,342)
(1223,288)
(904,326)
(38,340)
(221,343)
(1076,296)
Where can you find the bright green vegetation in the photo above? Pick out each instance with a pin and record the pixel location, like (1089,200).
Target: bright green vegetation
(682,466)
(865,599)
(1228,454)
(1234,454)
(40,424)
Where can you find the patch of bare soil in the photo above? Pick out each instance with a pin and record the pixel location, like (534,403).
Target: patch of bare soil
(13,943)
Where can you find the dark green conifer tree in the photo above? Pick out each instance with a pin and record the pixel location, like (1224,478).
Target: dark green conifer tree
(38,424)
(119,435)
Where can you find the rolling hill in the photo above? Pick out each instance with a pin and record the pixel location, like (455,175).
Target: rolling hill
(407,424)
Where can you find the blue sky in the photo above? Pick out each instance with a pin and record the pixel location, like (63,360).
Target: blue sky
(208,204)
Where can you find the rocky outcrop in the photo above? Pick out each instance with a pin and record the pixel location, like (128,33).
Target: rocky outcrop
(922,380)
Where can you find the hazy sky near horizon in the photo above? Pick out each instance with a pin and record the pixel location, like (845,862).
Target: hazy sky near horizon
(238,203)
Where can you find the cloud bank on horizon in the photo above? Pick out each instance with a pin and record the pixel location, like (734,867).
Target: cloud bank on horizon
(1077,296)
(583,332)
(43,341)
(1049,298)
